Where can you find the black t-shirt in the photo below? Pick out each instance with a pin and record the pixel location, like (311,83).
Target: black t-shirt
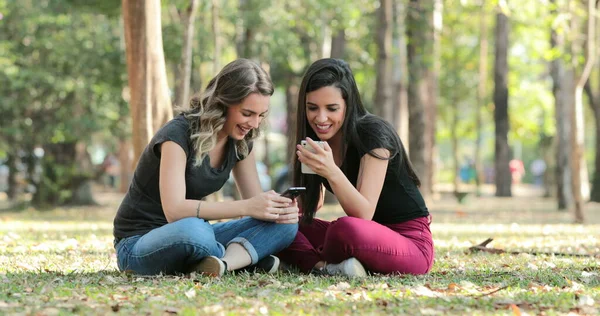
(400,199)
(141,209)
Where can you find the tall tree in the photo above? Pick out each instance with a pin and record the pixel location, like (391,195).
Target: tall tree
(216,29)
(502,150)
(383,88)
(481,93)
(420,52)
(579,163)
(147,75)
(400,73)
(188,17)
(560,89)
(338,44)
(594,101)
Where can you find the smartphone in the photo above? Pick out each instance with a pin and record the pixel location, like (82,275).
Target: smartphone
(304,168)
(293,192)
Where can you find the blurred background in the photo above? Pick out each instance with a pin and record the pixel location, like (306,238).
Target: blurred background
(489,97)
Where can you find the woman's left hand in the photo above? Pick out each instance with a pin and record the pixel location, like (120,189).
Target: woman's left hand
(320,160)
(289,215)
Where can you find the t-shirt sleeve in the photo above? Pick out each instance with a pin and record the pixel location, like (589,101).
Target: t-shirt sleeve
(177,131)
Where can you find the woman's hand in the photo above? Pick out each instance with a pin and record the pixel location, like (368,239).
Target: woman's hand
(320,160)
(268,206)
(289,215)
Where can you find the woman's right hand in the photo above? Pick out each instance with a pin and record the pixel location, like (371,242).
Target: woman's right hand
(267,206)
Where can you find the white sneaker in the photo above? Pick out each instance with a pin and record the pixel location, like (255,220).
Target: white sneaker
(350,267)
(211,266)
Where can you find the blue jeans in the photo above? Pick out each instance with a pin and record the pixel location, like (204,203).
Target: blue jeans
(176,247)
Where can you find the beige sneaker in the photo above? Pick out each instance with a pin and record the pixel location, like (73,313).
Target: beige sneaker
(350,267)
(211,266)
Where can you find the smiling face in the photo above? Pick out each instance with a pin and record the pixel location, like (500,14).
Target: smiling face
(245,116)
(325,110)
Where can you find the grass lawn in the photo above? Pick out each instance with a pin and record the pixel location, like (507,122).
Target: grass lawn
(62,262)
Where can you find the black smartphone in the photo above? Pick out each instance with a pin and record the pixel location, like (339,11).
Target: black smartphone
(293,192)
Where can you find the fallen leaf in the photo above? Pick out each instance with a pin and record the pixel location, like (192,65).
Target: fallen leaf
(515,309)
(191,293)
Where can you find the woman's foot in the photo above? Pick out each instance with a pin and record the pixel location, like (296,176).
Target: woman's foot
(211,266)
(350,267)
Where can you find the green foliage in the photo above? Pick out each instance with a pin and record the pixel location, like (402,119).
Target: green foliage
(61,77)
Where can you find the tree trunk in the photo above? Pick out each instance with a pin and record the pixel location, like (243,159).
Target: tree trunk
(216,37)
(431,104)
(594,102)
(502,155)
(150,102)
(291,98)
(125,161)
(383,104)
(338,44)
(11,163)
(481,96)
(400,76)
(562,112)
(244,31)
(420,54)
(185,64)
(580,178)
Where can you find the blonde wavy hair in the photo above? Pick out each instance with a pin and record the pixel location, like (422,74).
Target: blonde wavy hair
(207,112)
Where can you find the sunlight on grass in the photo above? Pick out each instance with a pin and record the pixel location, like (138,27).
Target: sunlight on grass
(68,265)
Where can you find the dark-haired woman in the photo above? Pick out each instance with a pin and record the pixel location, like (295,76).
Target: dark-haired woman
(363,163)
(162,225)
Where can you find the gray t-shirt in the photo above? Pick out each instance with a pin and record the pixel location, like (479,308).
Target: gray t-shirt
(141,209)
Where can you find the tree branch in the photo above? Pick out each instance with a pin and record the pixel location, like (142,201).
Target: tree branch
(482,247)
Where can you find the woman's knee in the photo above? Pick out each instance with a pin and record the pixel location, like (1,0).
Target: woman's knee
(346,226)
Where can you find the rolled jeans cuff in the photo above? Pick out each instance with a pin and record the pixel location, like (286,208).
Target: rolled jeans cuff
(248,246)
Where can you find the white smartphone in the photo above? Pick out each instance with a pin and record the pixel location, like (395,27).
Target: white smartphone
(304,168)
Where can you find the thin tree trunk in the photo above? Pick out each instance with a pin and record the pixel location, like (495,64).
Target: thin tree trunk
(595,106)
(291,98)
(400,93)
(502,150)
(383,103)
(216,29)
(11,163)
(125,161)
(420,54)
(338,44)
(150,102)
(326,40)
(560,83)
(580,179)
(185,64)
(481,95)
(431,108)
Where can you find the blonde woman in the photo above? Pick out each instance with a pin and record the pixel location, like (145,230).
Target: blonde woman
(162,225)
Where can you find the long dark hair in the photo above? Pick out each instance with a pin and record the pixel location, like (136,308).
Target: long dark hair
(360,128)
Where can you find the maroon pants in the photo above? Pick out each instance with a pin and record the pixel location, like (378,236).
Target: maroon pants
(391,248)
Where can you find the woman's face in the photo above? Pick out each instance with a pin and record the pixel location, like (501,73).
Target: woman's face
(325,109)
(245,116)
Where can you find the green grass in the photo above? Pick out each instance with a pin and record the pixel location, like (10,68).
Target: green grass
(62,262)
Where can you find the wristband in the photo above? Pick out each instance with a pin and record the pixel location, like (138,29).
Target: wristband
(198,209)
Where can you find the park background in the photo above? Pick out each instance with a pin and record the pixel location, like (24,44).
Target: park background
(479,91)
